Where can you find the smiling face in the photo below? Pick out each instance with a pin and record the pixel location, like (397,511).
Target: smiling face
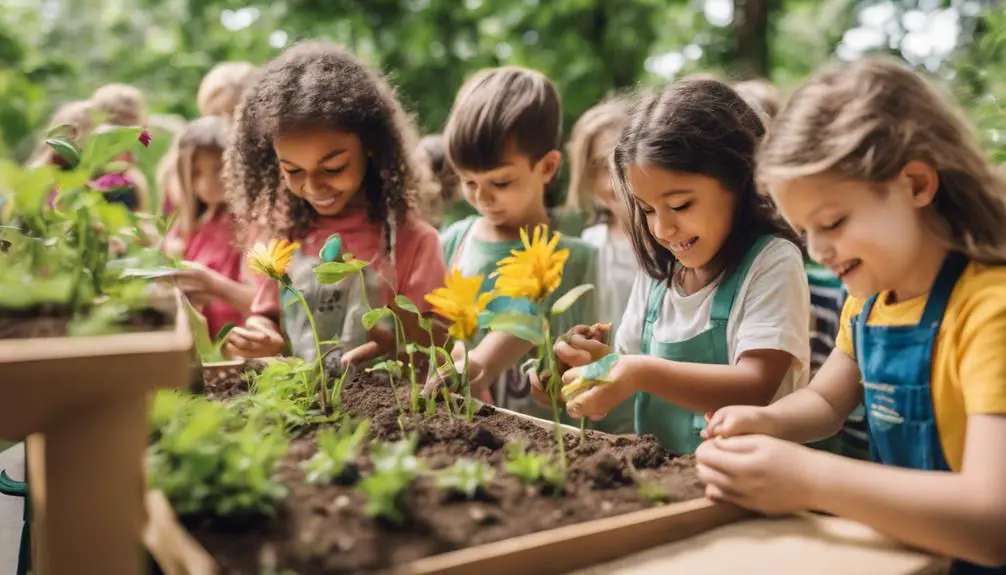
(323,166)
(688,214)
(512,194)
(870,235)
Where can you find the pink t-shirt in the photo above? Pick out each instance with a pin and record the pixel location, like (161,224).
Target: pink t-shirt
(213,245)
(419,262)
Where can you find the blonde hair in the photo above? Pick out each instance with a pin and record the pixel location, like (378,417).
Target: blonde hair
(584,152)
(221,89)
(77,116)
(761,95)
(866,121)
(121,104)
(206,134)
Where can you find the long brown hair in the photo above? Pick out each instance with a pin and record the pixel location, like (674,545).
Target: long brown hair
(697,126)
(865,121)
(584,152)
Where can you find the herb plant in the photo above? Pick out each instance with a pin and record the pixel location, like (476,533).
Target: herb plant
(467,477)
(533,468)
(335,460)
(395,468)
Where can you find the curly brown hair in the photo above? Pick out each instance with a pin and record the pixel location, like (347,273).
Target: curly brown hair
(317,84)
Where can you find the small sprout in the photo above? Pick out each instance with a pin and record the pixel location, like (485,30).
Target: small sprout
(652,492)
(395,468)
(466,477)
(335,460)
(532,468)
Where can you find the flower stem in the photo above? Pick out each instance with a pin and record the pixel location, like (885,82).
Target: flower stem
(554,388)
(469,412)
(322,375)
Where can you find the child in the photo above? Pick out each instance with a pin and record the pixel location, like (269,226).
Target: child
(219,94)
(893,194)
(329,163)
(205,226)
(122,105)
(502,139)
(453,206)
(719,314)
(761,95)
(590,191)
(77,116)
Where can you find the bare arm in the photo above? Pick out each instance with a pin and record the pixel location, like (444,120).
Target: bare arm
(957,514)
(237,294)
(494,354)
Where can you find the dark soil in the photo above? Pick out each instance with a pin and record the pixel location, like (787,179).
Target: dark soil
(322,529)
(53,321)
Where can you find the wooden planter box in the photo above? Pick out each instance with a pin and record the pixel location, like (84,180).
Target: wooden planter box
(546,552)
(82,402)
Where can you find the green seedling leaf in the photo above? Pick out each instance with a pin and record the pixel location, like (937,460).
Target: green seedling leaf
(406,304)
(336,456)
(28,189)
(466,476)
(392,366)
(373,316)
(65,150)
(115,216)
(518,324)
(105,145)
(569,298)
(652,492)
(334,272)
(200,331)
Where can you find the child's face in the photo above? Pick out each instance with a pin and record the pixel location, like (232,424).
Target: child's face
(207,183)
(867,234)
(512,192)
(689,214)
(324,166)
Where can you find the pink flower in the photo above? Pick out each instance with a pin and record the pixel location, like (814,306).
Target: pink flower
(111,181)
(145,138)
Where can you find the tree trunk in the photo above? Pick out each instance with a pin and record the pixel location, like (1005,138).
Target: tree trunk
(750,31)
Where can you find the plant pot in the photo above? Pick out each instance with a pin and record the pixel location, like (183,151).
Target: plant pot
(82,403)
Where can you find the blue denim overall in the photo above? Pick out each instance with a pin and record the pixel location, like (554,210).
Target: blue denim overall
(677,428)
(896,366)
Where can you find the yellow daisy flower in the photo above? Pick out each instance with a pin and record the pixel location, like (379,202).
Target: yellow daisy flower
(460,302)
(271,260)
(534,272)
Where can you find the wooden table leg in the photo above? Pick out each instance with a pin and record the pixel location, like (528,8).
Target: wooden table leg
(94,491)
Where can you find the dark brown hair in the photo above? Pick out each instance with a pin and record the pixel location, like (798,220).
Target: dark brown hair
(498,107)
(316,84)
(703,127)
(865,121)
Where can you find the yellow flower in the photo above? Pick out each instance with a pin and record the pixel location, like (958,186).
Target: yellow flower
(460,302)
(534,272)
(272,260)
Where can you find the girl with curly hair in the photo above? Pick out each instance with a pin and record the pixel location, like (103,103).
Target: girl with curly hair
(321,154)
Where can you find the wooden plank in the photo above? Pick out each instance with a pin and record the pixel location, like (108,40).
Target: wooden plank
(576,546)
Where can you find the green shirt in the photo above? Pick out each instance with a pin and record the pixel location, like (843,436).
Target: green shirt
(474,256)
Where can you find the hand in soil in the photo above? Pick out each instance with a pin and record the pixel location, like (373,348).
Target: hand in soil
(740,420)
(259,337)
(600,400)
(444,377)
(762,473)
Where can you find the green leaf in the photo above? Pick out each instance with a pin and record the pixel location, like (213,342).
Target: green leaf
(373,316)
(200,331)
(28,188)
(65,150)
(392,366)
(406,304)
(329,342)
(102,147)
(569,298)
(333,272)
(522,325)
(114,216)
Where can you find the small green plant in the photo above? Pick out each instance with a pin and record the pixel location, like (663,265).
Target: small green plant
(467,477)
(335,460)
(395,468)
(652,492)
(208,348)
(533,468)
(282,394)
(209,460)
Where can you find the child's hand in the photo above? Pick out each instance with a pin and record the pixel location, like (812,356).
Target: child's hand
(601,399)
(740,420)
(443,376)
(538,392)
(761,473)
(583,344)
(259,337)
(200,283)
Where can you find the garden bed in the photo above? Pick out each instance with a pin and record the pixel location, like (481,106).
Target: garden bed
(325,529)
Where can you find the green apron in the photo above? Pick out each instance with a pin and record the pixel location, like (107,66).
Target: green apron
(675,427)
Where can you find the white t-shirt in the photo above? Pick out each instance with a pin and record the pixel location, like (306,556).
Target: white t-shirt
(770,312)
(617,269)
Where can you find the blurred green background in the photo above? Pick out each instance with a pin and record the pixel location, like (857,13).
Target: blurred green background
(52,51)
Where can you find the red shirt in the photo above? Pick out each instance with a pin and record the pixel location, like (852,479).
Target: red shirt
(213,245)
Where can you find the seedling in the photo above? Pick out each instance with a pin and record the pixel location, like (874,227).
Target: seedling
(335,460)
(467,477)
(652,492)
(533,468)
(395,468)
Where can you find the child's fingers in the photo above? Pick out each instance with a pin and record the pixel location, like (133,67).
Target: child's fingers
(361,354)
(593,347)
(570,355)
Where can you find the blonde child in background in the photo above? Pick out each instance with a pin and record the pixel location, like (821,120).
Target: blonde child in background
(453,206)
(212,278)
(503,138)
(590,191)
(891,191)
(122,105)
(330,164)
(761,95)
(718,314)
(78,117)
(219,94)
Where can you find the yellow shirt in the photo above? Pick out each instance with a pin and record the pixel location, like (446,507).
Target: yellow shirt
(969,361)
